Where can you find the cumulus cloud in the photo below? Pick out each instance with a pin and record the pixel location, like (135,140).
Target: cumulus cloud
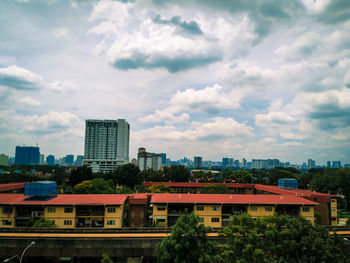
(29,101)
(63,86)
(19,78)
(216,129)
(41,124)
(210,100)
(149,42)
(304,46)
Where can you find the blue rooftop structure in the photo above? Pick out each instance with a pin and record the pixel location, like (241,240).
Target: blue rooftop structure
(288,183)
(40,189)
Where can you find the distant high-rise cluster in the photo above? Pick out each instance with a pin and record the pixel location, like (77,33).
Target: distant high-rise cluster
(106,144)
(266,164)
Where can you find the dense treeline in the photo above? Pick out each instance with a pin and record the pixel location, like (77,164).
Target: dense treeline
(266,239)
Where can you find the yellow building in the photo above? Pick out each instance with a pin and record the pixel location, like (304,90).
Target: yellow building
(67,211)
(216,210)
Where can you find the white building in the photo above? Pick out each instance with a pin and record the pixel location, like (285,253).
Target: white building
(147,160)
(106,144)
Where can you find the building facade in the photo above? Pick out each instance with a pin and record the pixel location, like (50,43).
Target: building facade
(27,155)
(106,144)
(197,162)
(4,160)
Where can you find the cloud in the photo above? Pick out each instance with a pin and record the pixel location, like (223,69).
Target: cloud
(335,11)
(48,123)
(150,42)
(216,129)
(29,101)
(63,86)
(304,46)
(19,78)
(210,100)
(191,28)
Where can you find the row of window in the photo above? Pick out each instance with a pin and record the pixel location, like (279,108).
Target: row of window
(70,210)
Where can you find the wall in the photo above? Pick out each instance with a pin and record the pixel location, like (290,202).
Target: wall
(117,216)
(208,214)
(157,214)
(60,216)
(7,216)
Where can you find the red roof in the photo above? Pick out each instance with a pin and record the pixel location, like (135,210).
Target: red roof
(66,199)
(230,199)
(298,192)
(138,199)
(11,186)
(188,184)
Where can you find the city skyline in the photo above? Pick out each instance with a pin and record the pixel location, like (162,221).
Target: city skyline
(215,79)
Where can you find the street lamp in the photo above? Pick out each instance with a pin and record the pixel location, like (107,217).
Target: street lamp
(20,258)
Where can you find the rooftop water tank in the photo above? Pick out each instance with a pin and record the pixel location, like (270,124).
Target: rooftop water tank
(40,189)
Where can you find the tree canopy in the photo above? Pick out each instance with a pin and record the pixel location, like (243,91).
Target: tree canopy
(279,239)
(188,242)
(95,186)
(215,189)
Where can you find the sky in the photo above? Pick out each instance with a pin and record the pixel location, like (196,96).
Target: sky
(225,78)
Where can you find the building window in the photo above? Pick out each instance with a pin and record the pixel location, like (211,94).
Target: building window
(306,209)
(51,209)
(68,209)
(161,219)
(333,200)
(268,208)
(215,220)
(111,209)
(67,222)
(201,220)
(7,210)
(110,222)
(161,207)
(215,208)
(6,222)
(254,208)
(200,208)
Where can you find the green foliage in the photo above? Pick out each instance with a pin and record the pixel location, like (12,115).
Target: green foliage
(201,176)
(80,174)
(95,186)
(176,173)
(188,242)
(160,188)
(215,189)
(44,223)
(348,222)
(243,177)
(106,259)
(279,239)
(124,190)
(128,175)
(151,175)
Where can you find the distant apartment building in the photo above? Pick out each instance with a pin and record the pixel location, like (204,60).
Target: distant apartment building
(146,160)
(50,160)
(336,164)
(27,155)
(4,160)
(69,159)
(265,164)
(197,162)
(237,164)
(79,161)
(42,159)
(106,144)
(329,164)
(311,163)
(244,162)
(227,162)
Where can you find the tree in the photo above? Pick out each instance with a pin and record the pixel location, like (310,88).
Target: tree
(151,175)
(176,173)
(106,259)
(215,189)
(44,223)
(80,174)
(188,242)
(95,186)
(159,188)
(201,176)
(279,239)
(242,177)
(128,175)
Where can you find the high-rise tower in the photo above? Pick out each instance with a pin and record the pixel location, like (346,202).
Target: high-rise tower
(106,144)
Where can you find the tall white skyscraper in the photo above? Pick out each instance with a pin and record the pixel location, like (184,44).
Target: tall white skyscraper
(106,144)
